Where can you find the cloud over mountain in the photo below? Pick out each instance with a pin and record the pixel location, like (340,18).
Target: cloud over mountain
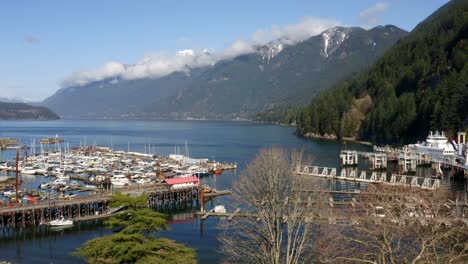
(293,33)
(159,65)
(150,66)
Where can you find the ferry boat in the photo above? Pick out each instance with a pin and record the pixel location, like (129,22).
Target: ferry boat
(436,146)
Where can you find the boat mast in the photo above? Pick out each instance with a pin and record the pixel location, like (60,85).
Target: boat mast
(186,150)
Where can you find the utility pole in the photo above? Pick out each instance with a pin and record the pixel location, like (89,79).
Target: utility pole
(17,171)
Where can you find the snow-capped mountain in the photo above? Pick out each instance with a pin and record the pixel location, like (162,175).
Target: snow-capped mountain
(270,50)
(333,38)
(277,73)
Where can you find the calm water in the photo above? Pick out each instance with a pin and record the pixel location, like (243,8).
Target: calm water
(221,141)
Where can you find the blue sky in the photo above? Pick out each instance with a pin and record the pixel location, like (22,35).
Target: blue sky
(43,42)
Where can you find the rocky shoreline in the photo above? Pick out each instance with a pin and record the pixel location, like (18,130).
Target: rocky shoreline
(334,137)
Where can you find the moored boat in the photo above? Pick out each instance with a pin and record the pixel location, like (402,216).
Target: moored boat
(219,209)
(61,222)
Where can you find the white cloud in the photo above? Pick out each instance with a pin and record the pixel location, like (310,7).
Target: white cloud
(151,66)
(293,33)
(109,70)
(370,16)
(237,48)
(159,65)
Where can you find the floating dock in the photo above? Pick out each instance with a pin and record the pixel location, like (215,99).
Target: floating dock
(375,177)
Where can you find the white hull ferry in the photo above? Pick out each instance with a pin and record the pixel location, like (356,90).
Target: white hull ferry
(436,146)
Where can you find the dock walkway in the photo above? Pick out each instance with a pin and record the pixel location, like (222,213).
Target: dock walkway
(375,177)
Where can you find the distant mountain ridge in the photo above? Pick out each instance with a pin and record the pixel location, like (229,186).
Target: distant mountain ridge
(16,100)
(274,75)
(22,111)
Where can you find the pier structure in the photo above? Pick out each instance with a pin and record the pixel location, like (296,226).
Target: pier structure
(375,177)
(378,161)
(96,206)
(348,158)
(391,152)
(408,159)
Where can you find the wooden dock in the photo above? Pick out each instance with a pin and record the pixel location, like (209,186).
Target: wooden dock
(96,206)
(217,193)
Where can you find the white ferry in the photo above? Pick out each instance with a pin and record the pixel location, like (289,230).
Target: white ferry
(436,146)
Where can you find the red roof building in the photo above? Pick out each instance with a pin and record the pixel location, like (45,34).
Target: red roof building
(182,180)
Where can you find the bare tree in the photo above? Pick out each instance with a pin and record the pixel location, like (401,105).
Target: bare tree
(397,225)
(280,215)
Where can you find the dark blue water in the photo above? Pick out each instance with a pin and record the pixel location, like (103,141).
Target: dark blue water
(221,141)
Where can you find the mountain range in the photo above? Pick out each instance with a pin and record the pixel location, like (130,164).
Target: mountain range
(277,74)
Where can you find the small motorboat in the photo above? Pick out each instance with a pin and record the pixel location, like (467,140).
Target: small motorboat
(6,166)
(62,177)
(61,222)
(59,182)
(29,170)
(11,193)
(219,209)
(45,185)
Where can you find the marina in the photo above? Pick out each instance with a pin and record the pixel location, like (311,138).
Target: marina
(89,168)
(232,142)
(78,183)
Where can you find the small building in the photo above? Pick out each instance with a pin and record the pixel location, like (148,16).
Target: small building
(182,182)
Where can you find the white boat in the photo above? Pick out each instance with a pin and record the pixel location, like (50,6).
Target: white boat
(379,212)
(69,195)
(28,170)
(45,185)
(201,172)
(120,180)
(436,146)
(59,182)
(143,181)
(61,222)
(63,177)
(40,171)
(6,166)
(10,193)
(219,209)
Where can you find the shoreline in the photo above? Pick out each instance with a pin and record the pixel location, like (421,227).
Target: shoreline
(333,138)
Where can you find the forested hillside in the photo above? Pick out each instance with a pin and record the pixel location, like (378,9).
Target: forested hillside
(418,85)
(20,111)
